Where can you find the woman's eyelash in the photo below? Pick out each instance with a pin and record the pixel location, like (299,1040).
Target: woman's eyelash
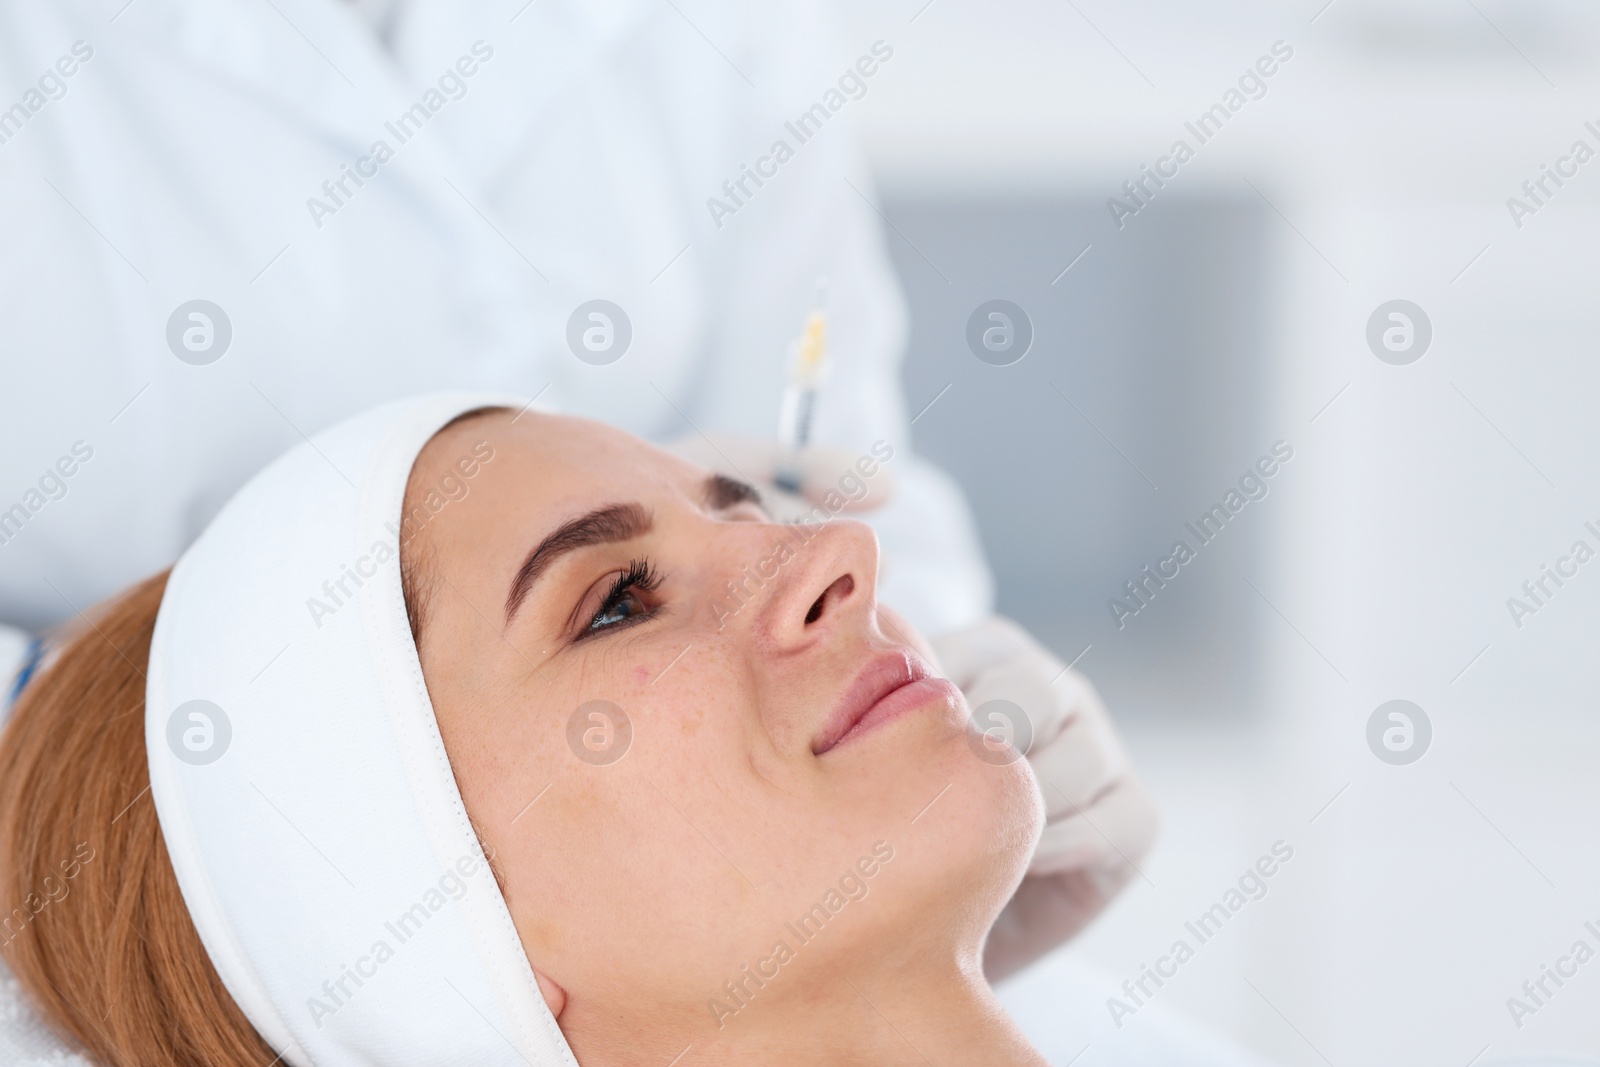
(641,576)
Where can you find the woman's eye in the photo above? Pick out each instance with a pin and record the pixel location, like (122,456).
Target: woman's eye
(617,609)
(623,604)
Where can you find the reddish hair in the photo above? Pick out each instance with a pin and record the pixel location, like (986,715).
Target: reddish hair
(98,932)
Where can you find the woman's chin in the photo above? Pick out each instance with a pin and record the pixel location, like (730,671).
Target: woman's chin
(973,843)
(1015,824)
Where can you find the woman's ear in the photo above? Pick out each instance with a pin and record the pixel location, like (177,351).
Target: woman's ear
(554,995)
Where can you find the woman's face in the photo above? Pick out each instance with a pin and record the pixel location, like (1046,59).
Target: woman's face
(683,729)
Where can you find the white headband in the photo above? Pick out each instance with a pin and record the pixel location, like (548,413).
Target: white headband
(313,821)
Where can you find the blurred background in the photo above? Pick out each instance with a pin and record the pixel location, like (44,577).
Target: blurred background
(1178,337)
(1230,312)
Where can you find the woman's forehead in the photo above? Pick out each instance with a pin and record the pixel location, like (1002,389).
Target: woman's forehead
(533,455)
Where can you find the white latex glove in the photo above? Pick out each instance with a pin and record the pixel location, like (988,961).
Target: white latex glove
(824,471)
(1099,820)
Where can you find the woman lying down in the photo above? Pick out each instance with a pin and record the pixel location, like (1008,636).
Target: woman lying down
(516,782)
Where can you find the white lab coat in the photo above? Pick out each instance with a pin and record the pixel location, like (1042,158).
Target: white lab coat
(180,161)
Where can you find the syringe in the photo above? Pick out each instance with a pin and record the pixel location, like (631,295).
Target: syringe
(808,367)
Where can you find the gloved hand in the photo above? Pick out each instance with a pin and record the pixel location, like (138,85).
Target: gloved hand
(824,471)
(1099,819)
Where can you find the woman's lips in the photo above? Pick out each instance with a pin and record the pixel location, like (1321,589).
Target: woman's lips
(890,686)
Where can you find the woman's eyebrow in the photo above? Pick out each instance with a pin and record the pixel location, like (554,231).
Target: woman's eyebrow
(602,526)
(721,492)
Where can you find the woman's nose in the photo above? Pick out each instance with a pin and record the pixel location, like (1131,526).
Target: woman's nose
(825,580)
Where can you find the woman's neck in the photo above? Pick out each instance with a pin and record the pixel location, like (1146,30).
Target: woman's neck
(901,1020)
(880,1016)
